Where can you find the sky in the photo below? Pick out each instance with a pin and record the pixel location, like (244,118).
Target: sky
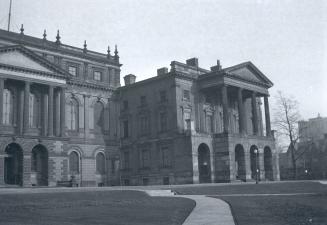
(286,40)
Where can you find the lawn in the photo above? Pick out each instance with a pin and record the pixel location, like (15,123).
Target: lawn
(261,188)
(302,209)
(279,210)
(102,207)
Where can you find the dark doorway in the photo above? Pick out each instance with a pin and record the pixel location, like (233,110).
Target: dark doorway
(240,163)
(13,165)
(40,165)
(166,181)
(254,156)
(268,164)
(204,164)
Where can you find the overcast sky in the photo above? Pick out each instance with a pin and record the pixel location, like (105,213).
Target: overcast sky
(286,40)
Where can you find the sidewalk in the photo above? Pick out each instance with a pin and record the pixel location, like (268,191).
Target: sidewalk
(208,211)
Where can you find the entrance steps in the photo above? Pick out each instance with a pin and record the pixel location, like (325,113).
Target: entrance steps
(164,193)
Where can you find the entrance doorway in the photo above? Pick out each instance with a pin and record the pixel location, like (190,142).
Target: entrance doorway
(13,173)
(240,163)
(40,165)
(268,163)
(204,163)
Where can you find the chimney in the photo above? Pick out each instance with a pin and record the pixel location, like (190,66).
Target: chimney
(129,79)
(162,71)
(193,62)
(217,67)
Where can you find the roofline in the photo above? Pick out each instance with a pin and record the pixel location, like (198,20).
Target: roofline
(52,46)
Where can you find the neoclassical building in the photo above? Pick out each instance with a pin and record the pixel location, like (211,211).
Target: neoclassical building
(64,114)
(57,117)
(192,125)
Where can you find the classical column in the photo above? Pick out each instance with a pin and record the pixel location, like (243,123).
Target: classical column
(225,108)
(57,113)
(254,113)
(2,86)
(21,112)
(267,116)
(50,117)
(44,114)
(62,112)
(26,105)
(241,112)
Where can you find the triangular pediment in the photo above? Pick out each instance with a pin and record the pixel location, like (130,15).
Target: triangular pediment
(18,59)
(248,72)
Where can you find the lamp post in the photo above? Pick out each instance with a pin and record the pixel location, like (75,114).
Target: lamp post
(256,152)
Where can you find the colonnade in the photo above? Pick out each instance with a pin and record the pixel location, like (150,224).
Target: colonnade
(56,97)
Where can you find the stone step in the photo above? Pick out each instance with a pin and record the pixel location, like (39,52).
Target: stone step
(160,192)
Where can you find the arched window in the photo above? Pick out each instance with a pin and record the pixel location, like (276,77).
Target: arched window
(7,107)
(74,163)
(72,114)
(98,116)
(100,163)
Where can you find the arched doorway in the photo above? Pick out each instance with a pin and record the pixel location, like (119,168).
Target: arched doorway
(240,163)
(268,163)
(40,165)
(254,158)
(13,173)
(204,163)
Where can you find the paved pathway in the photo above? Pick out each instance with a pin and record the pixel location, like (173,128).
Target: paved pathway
(209,211)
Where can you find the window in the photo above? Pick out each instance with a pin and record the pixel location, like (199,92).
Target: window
(145,158)
(187,120)
(74,163)
(72,115)
(125,104)
(97,75)
(144,125)
(100,163)
(33,111)
(125,129)
(163,121)
(209,123)
(163,96)
(72,70)
(98,117)
(143,100)
(7,107)
(126,160)
(165,157)
(186,95)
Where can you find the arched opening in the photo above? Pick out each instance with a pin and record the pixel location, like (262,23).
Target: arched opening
(74,163)
(204,164)
(240,163)
(268,163)
(254,158)
(100,163)
(40,165)
(13,173)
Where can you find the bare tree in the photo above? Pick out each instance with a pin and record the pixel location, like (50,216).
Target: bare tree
(286,117)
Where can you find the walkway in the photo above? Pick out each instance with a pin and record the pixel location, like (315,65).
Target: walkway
(209,211)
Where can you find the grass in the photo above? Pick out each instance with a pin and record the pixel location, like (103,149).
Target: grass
(303,209)
(103,207)
(281,210)
(262,188)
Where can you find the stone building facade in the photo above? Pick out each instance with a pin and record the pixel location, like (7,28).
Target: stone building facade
(57,118)
(65,116)
(192,125)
